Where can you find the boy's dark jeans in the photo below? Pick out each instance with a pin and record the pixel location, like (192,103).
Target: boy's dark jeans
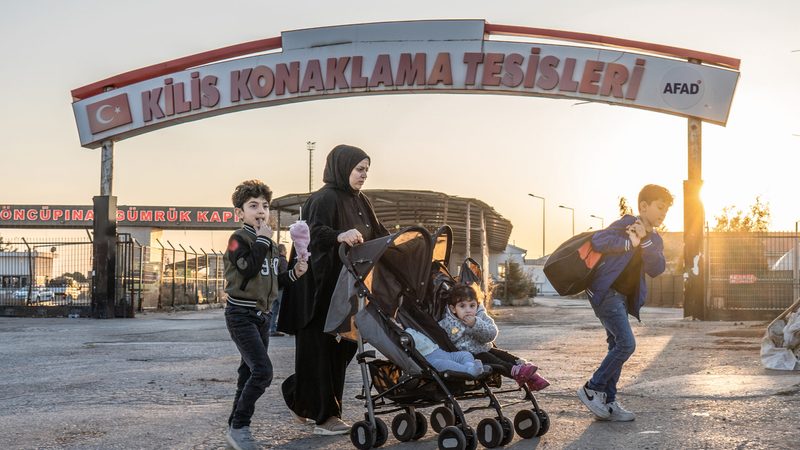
(613,314)
(249,330)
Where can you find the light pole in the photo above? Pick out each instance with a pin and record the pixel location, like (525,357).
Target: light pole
(310,147)
(602,221)
(543,222)
(573,217)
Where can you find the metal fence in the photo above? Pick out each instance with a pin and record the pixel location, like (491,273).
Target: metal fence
(751,275)
(174,276)
(39,273)
(53,277)
(665,290)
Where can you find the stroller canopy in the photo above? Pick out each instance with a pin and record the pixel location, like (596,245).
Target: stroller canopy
(393,269)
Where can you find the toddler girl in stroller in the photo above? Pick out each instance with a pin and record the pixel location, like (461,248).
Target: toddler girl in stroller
(441,360)
(472,330)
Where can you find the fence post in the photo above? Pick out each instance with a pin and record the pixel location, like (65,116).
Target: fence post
(104,265)
(173,272)
(217,275)
(693,224)
(141,273)
(159,306)
(185,268)
(195,289)
(30,271)
(131,249)
(207,269)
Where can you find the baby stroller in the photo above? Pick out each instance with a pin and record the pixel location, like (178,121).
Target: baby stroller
(385,286)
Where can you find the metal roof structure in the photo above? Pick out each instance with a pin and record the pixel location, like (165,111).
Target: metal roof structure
(401,208)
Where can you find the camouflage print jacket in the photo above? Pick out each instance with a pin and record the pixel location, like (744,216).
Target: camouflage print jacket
(475,339)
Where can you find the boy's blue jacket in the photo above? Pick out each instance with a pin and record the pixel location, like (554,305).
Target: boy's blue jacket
(617,250)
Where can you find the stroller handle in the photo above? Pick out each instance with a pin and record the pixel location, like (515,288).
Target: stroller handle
(343,253)
(346,261)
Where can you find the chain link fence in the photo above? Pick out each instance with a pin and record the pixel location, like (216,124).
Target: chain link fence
(751,275)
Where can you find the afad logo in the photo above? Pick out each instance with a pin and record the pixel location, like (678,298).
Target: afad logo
(109,113)
(682,87)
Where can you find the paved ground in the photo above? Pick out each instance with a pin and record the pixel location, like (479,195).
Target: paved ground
(164,381)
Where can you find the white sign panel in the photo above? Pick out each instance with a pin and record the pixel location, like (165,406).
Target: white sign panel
(405,57)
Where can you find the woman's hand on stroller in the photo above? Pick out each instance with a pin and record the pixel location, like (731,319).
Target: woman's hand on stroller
(351,237)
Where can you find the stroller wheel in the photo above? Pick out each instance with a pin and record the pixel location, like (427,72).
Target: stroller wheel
(422,425)
(382,433)
(544,422)
(469,435)
(362,435)
(526,423)
(508,430)
(442,417)
(490,432)
(451,438)
(404,426)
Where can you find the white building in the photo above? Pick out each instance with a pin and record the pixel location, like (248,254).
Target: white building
(535,268)
(17,269)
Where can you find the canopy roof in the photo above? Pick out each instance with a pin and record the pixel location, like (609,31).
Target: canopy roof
(398,209)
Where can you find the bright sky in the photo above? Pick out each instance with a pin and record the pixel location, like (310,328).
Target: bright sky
(495,148)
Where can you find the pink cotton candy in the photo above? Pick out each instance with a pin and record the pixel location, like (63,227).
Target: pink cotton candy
(301,237)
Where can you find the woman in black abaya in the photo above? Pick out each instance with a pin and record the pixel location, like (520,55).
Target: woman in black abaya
(336,213)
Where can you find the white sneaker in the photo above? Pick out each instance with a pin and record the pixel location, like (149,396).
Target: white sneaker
(595,401)
(332,427)
(619,413)
(241,439)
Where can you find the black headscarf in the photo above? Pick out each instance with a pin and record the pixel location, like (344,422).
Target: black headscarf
(340,164)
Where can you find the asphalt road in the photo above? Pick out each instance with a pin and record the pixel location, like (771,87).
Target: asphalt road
(166,380)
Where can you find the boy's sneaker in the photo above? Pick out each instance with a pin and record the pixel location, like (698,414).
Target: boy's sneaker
(595,401)
(332,427)
(537,382)
(300,420)
(241,439)
(619,413)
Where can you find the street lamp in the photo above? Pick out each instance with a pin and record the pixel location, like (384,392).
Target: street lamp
(602,221)
(542,199)
(573,217)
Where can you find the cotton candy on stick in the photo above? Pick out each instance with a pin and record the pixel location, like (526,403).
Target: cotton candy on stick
(301,236)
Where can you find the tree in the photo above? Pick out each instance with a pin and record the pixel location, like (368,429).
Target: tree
(4,247)
(757,218)
(624,207)
(77,276)
(518,283)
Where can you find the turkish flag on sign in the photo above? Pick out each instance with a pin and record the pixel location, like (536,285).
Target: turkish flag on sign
(109,113)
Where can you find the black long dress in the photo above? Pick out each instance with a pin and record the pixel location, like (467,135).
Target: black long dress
(315,389)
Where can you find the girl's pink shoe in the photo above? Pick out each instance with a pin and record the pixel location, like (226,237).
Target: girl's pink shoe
(537,382)
(523,372)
